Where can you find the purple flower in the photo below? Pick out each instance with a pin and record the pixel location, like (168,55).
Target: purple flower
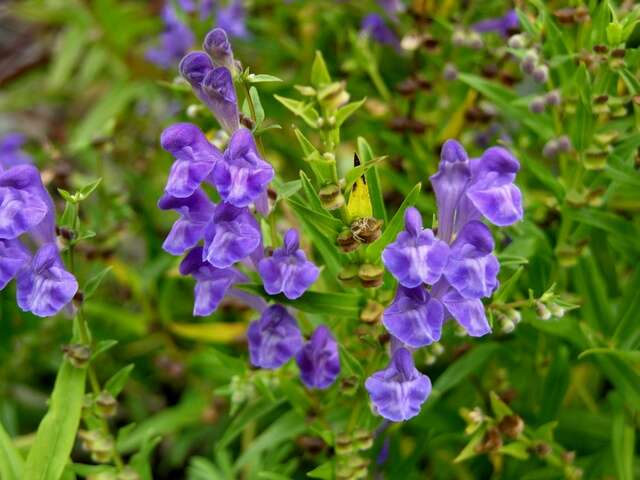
(392,8)
(416,256)
(11,153)
(195,213)
(472,268)
(375,26)
(13,256)
(504,25)
(274,338)
(44,287)
(288,270)
(220,96)
(194,67)
(175,40)
(24,202)
(206,8)
(232,234)
(243,176)
(318,360)
(469,313)
(414,317)
(212,283)
(233,19)
(217,45)
(398,391)
(195,158)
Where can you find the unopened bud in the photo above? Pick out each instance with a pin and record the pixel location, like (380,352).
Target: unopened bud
(107,405)
(77,354)
(541,74)
(370,275)
(511,426)
(491,441)
(517,41)
(331,197)
(193,110)
(564,144)
(514,315)
(537,105)
(344,445)
(556,310)
(550,149)
(542,311)
(542,449)
(366,229)
(347,242)
(459,38)
(475,41)
(529,62)
(568,457)
(450,72)
(437,348)
(553,98)
(372,312)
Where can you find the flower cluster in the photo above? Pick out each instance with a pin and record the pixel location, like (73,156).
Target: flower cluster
(28,250)
(445,274)
(222,241)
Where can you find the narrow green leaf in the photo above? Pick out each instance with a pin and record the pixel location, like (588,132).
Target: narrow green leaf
(116,383)
(257,105)
(49,453)
(313,200)
(102,347)
(301,109)
(622,445)
(69,48)
(630,356)
(94,282)
(461,368)
(347,110)
(262,78)
(249,413)
(327,224)
(324,471)
(11,463)
(319,72)
(140,462)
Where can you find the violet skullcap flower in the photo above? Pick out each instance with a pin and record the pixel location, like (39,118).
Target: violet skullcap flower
(219,94)
(414,317)
(24,202)
(288,270)
(502,25)
(195,213)
(231,235)
(232,19)
(318,360)
(469,313)
(243,176)
(175,40)
(11,153)
(13,256)
(195,158)
(375,26)
(194,66)
(398,392)
(44,287)
(472,268)
(217,45)
(212,283)
(274,338)
(416,256)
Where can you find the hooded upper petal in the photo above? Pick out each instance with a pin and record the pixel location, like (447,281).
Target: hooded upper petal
(414,317)
(318,360)
(398,392)
(220,96)
(274,338)
(195,211)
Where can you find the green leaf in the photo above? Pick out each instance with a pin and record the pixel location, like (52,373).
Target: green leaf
(350,363)
(301,109)
(394,227)
(630,356)
(347,110)
(116,383)
(516,450)
(140,462)
(373,180)
(257,105)
(49,453)
(262,78)
(310,193)
(89,189)
(328,225)
(94,282)
(469,451)
(324,471)
(555,385)
(102,347)
(11,463)
(319,73)
(249,413)
(622,445)
(69,49)
(307,147)
(286,189)
(499,408)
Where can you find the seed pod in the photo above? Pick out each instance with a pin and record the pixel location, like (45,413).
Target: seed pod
(511,426)
(602,49)
(107,405)
(347,242)
(77,354)
(363,439)
(491,441)
(372,312)
(565,15)
(366,230)
(344,445)
(542,449)
(370,275)
(331,197)
(618,53)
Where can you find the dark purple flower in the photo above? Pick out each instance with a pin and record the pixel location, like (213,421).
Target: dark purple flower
(219,94)
(414,317)
(243,175)
(11,153)
(375,26)
(24,202)
(288,270)
(232,19)
(212,283)
(195,158)
(472,268)
(44,287)
(175,40)
(398,391)
(195,212)
(232,234)
(194,67)
(274,338)
(13,256)
(469,313)
(217,45)
(504,25)
(318,360)
(416,256)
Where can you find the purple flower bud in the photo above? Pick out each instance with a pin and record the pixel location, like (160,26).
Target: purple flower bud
(318,360)
(375,26)
(472,268)
(231,235)
(553,98)
(564,144)
(44,287)
(11,153)
(195,213)
(537,105)
(24,203)
(541,74)
(195,158)
(414,317)
(288,270)
(232,19)
(175,41)
(219,94)
(392,8)
(450,72)
(217,45)
(398,391)
(529,62)
(469,313)
(274,338)
(416,256)
(501,25)
(550,149)
(243,176)
(212,283)
(13,256)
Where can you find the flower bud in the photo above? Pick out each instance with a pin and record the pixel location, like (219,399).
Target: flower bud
(491,441)
(367,229)
(550,149)
(542,311)
(517,41)
(107,405)
(331,197)
(511,426)
(529,62)
(347,242)
(537,105)
(217,45)
(459,38)
(541,74)
(363,439)
(556,310)
(553,98)
(450,72)
(334,95)
(474,41)
(371,275)
(77,354)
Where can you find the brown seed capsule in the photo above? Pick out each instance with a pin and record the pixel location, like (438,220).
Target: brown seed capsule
(602,49)
(581,14)
(349,385)
(407,87)
(568,457)
(491,441)
(384,338)
(618,53)
(430,43)
(372,312)
(366,229)
(600,99)
(542,449)
(511,426)
(565,15)
(311,444)
(107,405)
(77,354)
(349,274)
(347,242)
(371,275)
(246,121)
(331,197)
